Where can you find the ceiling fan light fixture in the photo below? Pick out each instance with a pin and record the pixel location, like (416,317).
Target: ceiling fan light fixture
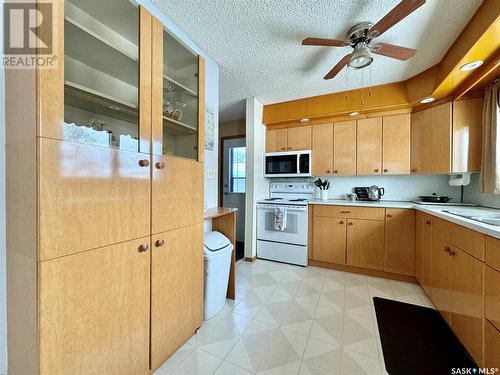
(471,66)
(430,99)
(360,58)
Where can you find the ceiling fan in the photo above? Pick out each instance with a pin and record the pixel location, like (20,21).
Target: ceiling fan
(360,38)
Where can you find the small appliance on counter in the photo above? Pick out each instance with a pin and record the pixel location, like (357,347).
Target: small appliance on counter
(371,193)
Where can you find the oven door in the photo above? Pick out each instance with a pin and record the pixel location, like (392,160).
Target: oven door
(296,226)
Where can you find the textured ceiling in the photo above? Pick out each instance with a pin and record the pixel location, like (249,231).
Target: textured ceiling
(257,43)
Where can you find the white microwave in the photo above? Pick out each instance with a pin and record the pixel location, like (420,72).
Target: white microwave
(288,164)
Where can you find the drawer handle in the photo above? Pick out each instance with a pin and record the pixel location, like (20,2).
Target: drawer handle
(386,170)
(143,163)
(350,223)
(143,248)
(341,222)
(159,243)
(283,148)
(389,215)
(160,165)
(345,212)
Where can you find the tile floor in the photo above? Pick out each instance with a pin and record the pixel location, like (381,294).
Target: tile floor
(293,320)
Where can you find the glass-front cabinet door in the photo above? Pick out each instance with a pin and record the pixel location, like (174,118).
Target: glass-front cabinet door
(181,87)
(101,73)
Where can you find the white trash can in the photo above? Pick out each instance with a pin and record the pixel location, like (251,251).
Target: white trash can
(218,250)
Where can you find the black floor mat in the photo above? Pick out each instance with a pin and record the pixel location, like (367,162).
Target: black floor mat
(417,340)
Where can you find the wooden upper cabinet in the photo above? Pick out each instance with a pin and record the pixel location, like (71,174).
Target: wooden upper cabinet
(176,290)
(90,197)
(94,311)
(329,239)
(400,241)
(365,244)
(322,149)
(344,148)
(178,107)
(276,140)
(97,98)
(177,193)
(467,135)
(369,146)
(431,140)
(396,144)
(299,138)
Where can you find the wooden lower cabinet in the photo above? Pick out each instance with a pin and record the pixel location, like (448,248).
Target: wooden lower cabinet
(491,346)
(441,263)
(365,244)
(400,241)
(176,290)
(466,301)
(492,296)
(329,239)
(94,311)
(423,244)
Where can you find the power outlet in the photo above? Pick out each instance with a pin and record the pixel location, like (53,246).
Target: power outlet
(211,174)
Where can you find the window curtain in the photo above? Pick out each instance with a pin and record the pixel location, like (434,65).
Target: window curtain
(490,162)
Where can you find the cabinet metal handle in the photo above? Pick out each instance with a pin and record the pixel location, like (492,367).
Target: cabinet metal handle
(389,215)
(159,243)
(414,170)
(376,170)
(385,170)
(289,149)
(144,163)
(143,248)
(283,148)
(341,222)
(328,171)
(345,212)
(335,171)
(160,165)
(428,222)
(350,223)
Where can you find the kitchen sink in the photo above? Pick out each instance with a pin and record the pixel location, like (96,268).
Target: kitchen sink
(477,215)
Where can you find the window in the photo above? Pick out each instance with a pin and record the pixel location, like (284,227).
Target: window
(237,163)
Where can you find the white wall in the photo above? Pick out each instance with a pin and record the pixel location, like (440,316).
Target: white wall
(402,188)
(472,194)
(3,280)
(256,184)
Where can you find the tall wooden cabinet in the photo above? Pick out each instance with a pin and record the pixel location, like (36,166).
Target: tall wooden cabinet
(369,146)
(105,196)
(322,149)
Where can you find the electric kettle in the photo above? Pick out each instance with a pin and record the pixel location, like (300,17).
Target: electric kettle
(375,193)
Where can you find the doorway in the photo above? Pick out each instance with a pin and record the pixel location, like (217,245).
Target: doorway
(233,183)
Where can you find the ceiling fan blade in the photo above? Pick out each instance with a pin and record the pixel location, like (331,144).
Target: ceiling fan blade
(325,42)
(337,68)
(390,50)
(400,11)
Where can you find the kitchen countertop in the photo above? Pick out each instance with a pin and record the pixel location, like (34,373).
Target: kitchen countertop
(438,211)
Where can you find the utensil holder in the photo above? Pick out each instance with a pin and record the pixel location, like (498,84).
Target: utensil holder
(324,195)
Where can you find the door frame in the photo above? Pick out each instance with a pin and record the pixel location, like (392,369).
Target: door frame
(221,165)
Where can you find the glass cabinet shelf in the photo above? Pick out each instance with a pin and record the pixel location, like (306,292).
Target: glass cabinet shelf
(101,72)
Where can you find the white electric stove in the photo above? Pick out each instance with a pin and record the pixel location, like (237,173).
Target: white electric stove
(290,244)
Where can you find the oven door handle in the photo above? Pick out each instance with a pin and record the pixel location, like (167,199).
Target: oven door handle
(296,209)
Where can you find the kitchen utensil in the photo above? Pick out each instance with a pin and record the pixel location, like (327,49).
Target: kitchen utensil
(434,198)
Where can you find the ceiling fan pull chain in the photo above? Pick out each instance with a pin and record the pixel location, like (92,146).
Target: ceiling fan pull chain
(346,92)
(362,88)
(370,85)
